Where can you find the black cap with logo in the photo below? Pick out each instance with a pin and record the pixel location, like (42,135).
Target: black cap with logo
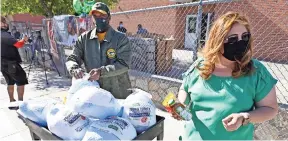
(100,7)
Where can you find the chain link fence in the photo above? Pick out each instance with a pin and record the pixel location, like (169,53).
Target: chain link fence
(36,52)
(61,33)
(176,32)
(54,51)
(165,40)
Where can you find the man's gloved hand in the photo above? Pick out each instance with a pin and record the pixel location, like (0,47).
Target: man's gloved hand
(78,73)
(94,74)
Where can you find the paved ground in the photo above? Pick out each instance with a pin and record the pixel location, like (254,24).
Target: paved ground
(14,129)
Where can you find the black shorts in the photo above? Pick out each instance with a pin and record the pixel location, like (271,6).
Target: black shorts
(13,73)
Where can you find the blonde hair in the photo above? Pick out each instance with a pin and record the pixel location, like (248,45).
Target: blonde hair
(215,42)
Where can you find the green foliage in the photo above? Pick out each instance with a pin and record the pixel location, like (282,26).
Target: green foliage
(48,8)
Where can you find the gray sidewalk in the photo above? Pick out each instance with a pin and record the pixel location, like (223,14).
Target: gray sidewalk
(12,128)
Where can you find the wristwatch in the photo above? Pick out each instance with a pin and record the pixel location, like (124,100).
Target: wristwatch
(246,119)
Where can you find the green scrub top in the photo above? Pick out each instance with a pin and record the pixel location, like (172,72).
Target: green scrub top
(216,98)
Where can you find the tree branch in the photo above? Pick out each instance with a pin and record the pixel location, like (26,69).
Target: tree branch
(46,9)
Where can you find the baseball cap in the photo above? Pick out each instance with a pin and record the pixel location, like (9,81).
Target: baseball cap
(100,7)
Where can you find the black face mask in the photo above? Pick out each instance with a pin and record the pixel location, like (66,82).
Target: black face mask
(236,50)
(101,24)
(5,29)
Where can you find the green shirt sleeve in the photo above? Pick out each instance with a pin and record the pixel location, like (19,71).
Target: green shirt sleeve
(264,81)
(188,98)
(188,77)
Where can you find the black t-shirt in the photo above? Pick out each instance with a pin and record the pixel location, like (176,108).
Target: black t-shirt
(17,35)
(8,50)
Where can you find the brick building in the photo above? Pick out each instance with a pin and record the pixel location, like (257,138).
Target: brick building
(21,21)
(37,19)
(268,22)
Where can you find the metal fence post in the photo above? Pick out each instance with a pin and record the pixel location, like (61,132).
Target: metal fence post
(198,30)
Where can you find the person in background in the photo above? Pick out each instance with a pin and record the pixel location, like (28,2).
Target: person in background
(226,90)
(10,63)
(121,27)
(141,30)
(105,53)
(15,33)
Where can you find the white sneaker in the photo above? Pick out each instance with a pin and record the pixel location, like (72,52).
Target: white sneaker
(13,104)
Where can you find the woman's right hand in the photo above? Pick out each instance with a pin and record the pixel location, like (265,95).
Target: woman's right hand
(176,116)
(181,97)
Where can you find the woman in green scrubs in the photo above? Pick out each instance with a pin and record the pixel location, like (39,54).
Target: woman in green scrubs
(226,90)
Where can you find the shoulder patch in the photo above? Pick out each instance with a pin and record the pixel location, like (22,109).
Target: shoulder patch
(111,53)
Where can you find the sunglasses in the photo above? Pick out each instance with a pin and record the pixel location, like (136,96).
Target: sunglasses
(234,38)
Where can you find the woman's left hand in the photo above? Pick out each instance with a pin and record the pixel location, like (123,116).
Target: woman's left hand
(233,121)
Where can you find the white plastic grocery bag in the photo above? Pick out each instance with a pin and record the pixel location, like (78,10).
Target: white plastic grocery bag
(140,110)
(36,109)
(66,124)
(112,128)
(94,102)
(78,84)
